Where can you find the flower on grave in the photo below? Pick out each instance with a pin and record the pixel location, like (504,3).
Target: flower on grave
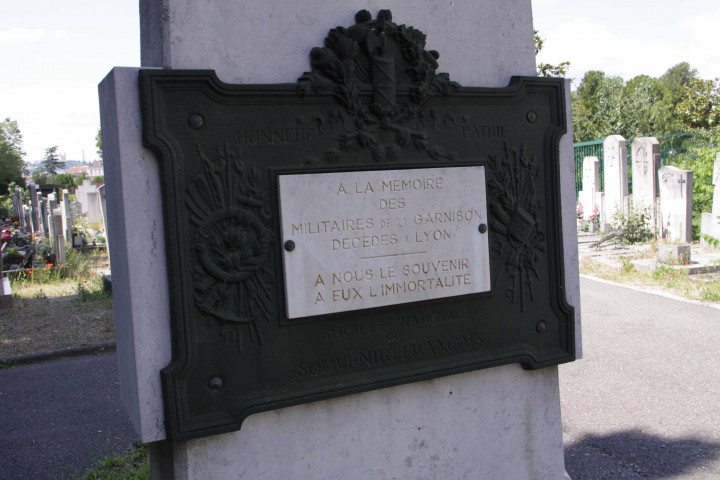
(579,211)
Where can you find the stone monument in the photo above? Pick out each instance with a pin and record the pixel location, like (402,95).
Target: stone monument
(711,220)
(676,188)
(615,173)
(645,164)
(480,416)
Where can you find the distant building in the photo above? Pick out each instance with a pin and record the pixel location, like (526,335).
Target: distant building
(79,171)
(96,169)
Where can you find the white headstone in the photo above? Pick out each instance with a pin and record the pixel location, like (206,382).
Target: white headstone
(716,189)
(58,235)
(615,175)
(588,197)
(645,164)
(484,423)
(81,194)
(66,215)
(94,208)
(676,204)
(711,220)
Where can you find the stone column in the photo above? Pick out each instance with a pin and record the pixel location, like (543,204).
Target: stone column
(501,422)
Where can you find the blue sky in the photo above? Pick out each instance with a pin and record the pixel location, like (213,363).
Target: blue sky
(53,53)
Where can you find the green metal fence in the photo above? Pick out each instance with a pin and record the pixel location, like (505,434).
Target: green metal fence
(587,149)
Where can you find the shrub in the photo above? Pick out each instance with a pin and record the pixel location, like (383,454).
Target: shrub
(637,225)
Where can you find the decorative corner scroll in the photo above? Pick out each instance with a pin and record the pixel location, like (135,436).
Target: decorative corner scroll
(514,216)
(232,241)
(385,58)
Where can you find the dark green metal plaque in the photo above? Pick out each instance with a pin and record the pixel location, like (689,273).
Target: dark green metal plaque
(373,102)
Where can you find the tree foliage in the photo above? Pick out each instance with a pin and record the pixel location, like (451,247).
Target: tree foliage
(606,105)
(700,104)
(12,165)
(547,69)
(51,163)
(596,106)
(98,143)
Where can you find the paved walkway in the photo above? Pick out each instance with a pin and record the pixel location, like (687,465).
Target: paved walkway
(57,417)
(643,403)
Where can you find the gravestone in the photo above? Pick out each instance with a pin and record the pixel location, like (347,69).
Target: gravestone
(43,217)
(6,296)
(58,236)
(676,187)
(645,164)
(27,223)
(275,444)
(711,220)
(615,171)
(34,212)
(18,207)
(81,194)
(51,205)
(103,211)
(716,183)
(66,215)
(589,197)
(93,207)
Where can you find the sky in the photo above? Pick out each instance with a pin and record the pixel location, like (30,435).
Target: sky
(54,53)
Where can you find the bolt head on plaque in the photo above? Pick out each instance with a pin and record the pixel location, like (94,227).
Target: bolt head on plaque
(195,121)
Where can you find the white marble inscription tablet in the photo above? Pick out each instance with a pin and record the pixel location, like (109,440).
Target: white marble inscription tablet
(376,238)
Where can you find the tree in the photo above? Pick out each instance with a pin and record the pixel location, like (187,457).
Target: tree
(52,163)
(546,69)
(62,178)
(11,154)
(673,83)
(597,107)
(700,104)
(98,143)
(642,106)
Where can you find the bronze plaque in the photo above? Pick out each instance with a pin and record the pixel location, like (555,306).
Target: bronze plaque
(471,178)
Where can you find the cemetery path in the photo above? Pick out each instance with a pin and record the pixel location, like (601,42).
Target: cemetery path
(643,402)
(56,417)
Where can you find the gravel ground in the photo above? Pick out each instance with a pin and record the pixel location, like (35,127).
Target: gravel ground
(50,318)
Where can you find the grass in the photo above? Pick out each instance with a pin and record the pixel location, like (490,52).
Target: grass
(702,287)
(134,465)
(57,307)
